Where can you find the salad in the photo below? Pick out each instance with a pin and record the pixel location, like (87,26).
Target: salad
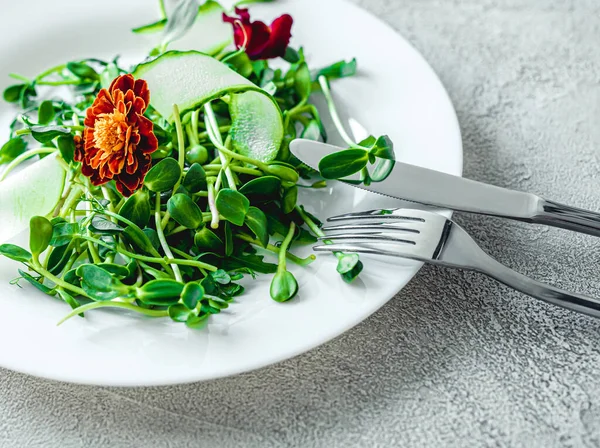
(164,184)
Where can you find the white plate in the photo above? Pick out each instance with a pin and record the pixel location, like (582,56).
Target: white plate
(396,93)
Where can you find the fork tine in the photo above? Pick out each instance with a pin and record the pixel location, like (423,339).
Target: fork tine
(368,237)
(369,250)
(400,227)
(396,214)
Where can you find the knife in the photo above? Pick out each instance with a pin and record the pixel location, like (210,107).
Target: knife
(430,187)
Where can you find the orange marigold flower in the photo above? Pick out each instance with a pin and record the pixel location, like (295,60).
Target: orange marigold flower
(118,139)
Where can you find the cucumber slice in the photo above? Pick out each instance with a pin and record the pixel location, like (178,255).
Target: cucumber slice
(209,34)
(250,112)
(191,79)
(34,191)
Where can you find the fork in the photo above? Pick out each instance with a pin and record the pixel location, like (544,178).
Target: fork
(431,238)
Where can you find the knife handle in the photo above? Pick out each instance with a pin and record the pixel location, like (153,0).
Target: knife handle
(566,217)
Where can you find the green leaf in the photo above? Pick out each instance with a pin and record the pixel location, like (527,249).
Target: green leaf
(139,239)
(160,292)
(251,261)
(349,266)
(83,71)
(383,148)
(15,253)
(195,179)
(383,169)
(218,304)
(262,189)
(58,259)
(256,221)
(66,146)
(12,149)
(207,239)
(12,94)
(340,69)
(369,142)
(302,82)
(228,239)
(103,226)
(192,293)
(98,283)
(347,262)
(289,200)
(40,234)
(45,134)
(185,211)
(70,300)
(283,286)
(179,313)
(233,206)
(137,209)
(45,112)
(291,55)
(242,64)
(163,176)
(35,283)
(63,233)
(343,163)
(115,269)
(220,276)
(284,171)
(197,322)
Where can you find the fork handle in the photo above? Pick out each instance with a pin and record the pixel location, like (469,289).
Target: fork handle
(566,217)
(461,251)
(547,293)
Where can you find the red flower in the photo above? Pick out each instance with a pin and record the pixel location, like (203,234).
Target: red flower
(261,41)
(118,139)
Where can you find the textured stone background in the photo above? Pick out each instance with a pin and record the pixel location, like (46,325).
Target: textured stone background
(455,359)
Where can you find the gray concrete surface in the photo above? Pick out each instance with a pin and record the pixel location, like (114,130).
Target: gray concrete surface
(455,360)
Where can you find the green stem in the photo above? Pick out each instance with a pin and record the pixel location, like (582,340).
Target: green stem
(58,68)
(177,230)
(130,224)
(222,130)
(212,127)
(22,158)
(19,78)
(194,264)
(57,281)
(334,113)
(112,304)
(213,206)
(315,229)
(27,131)
(277,250)
(235,169)
(284,247)
(180,158)
(182,254)
(163,241)
(125,252)
(66,82)
(195,121)
(190,134)
(180,142)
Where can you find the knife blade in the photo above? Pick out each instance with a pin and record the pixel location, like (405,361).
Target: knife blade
(430,187)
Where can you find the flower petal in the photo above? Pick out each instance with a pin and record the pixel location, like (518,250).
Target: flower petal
(281,33)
